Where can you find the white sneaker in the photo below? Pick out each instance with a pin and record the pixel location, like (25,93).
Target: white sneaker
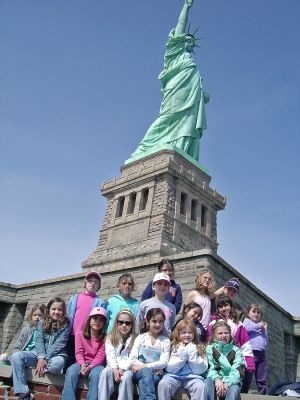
(291,393)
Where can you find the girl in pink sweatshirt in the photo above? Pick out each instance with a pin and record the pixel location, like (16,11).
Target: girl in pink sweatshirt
(90,356)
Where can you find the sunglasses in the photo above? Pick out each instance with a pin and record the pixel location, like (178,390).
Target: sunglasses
(127,323)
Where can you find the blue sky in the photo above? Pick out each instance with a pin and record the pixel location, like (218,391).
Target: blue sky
(78,91)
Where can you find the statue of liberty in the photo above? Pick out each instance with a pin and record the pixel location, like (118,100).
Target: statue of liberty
(181,119)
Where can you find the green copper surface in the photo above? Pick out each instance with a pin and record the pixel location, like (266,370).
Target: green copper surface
(181,119)
(167,146)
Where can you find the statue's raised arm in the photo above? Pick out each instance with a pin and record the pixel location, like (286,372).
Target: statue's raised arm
(181,119)
(183,18)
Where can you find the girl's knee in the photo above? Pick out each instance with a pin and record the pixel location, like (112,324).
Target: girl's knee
(106,372)
(56,365)
(15,356)
(127,376)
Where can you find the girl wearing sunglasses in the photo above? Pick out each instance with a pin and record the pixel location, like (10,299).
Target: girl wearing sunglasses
(118,346)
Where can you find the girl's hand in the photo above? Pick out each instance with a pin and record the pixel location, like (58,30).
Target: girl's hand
(264,325)
(40,367)
(189,3)
(117,375)
(159,372)
(220,390)
(85,369)
(136,368)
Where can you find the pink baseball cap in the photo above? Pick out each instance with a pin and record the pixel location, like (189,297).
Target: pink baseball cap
(161,276)
(98,311)
(93,273)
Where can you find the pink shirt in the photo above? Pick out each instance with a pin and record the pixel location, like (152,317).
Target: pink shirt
(84,305)
(89,350)
(205,303)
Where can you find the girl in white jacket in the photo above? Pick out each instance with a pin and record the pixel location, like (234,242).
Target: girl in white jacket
(118,346)
(150,354)
(186,365)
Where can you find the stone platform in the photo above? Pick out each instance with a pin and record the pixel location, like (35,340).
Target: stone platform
(50,388)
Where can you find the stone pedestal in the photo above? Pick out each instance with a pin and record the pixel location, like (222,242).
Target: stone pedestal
(159,206)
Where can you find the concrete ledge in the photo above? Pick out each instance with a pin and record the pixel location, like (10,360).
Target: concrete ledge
(47,379)
(5,371)
(58,381)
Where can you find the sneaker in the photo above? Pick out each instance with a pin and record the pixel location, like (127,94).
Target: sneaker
(26,396)
(291,393)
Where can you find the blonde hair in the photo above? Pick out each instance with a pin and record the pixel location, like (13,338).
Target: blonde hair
(115,336)
(219,324)
(187,323)
(212,284)
(37,306)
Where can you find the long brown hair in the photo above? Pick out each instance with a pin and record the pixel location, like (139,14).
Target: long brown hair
(153,312)
(50,325)
(115,336)
(223,300)
(190,306)
(187,323)
(37,306)
(87,332)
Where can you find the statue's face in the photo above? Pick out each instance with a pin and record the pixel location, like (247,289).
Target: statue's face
(190,43)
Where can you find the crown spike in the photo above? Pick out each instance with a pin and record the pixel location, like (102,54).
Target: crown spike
(196,30)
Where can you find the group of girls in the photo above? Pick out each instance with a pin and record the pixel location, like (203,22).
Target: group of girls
(115,361)
(42,344)
(249,334)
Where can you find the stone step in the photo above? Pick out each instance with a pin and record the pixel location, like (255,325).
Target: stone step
(58,381)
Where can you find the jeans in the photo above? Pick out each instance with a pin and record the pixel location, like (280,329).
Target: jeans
(260,373)
(71,380)
(233,391)
(23,359)
(107,385)
(147,382)
(168,386)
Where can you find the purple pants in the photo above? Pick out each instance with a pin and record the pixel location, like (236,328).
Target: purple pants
(260,373)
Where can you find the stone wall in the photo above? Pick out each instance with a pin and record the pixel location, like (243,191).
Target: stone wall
(8,311)
(159,206)
(284,331)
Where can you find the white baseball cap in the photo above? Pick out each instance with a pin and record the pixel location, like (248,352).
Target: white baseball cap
(161,276)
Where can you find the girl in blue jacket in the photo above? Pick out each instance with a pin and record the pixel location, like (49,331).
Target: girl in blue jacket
(49,352)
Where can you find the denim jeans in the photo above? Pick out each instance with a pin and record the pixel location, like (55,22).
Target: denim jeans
(147,383)
(71,380)
(233,391)
(23,359)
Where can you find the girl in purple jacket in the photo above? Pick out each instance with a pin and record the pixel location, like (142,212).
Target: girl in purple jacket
(258,335)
